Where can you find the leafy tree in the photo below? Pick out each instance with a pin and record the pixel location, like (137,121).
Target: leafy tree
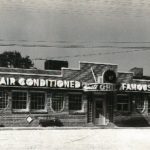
(15,60)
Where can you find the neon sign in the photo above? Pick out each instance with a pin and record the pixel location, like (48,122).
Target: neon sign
(99,87)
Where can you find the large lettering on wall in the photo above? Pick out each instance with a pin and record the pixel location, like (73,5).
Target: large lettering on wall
(134,87)
(6,81)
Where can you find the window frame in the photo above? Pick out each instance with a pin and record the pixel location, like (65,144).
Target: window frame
(139,99)
(63,104)
(124,95)
(27,102)
(45,104)
(6,103)
(75,94)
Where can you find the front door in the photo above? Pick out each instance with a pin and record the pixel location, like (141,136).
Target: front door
(99,111)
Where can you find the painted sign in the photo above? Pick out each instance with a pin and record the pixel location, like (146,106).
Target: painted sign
(134,87)
(39,82)
(99,87)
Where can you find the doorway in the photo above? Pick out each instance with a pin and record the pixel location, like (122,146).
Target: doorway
(99,115)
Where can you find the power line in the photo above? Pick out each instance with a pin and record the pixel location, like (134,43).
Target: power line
(93,54)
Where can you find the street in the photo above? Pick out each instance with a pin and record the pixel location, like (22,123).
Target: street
(75,139)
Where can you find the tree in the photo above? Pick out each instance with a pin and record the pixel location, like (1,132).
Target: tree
(15,60)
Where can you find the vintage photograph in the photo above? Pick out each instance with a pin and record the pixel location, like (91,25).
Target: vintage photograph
(74,74)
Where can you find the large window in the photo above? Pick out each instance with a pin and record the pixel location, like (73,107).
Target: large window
(19,100)
(139,101)
(3,100)
(75,102)
(57,101)
(123,103)
(37,101)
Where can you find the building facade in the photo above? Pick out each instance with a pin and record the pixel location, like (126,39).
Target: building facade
(95,94)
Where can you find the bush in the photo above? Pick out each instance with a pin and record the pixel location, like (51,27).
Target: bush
(50,123)
(1,125)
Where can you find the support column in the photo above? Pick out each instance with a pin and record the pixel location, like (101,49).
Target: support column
(90,108)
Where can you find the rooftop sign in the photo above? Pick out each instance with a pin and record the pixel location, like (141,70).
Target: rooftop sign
(134,87)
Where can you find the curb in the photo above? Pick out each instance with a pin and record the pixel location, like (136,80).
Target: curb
(69,128)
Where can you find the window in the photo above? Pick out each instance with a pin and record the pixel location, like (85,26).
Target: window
(139,101)
(75,102)
(37,101)
(122,102)
(148,97)
(19,100)
(57,101)
(3,100)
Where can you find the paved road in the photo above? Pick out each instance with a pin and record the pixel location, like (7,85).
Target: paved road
(84,139)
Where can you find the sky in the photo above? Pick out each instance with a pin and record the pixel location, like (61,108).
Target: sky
(107,31)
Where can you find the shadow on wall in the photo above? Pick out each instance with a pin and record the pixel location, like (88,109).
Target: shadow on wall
(134,120)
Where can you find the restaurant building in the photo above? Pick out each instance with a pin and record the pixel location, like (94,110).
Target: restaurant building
(95,94)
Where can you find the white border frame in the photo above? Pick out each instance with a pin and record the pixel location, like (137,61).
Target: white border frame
(27,104)
(82,104)
(45,105)
(51,107)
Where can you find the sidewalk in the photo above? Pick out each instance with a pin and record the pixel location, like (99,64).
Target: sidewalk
(70,128)
(74,139)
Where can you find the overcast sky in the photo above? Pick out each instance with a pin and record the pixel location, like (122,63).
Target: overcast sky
(58,28)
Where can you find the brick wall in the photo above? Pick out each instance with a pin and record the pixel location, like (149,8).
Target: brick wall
(9,118)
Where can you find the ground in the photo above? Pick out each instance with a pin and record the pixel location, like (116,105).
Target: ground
(75,139)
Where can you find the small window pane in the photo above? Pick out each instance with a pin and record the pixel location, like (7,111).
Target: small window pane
(37,101)
(75,102)
(19,100)
(57,101)
(125,107)
(119,107)
(122,103)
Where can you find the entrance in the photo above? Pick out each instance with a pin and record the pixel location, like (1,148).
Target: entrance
(99,118)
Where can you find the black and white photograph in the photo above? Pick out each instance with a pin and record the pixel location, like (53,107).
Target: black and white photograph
(74,74)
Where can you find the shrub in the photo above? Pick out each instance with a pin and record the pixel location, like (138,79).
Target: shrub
(50,123)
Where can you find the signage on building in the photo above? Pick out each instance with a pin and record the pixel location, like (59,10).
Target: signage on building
(99,87)
(31,82)
(134,87)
